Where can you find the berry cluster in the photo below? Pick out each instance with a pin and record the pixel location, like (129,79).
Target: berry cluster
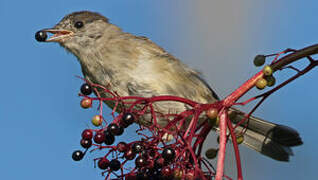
(268,79)
(153,157)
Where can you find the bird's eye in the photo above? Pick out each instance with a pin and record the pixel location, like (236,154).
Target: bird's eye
(79,24)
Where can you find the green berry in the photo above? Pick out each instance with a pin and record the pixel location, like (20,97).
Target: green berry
(97,120)
(214,122)
(267,70)
(239,139)
(211,153)
(271,80)
(261,83)
(259,60)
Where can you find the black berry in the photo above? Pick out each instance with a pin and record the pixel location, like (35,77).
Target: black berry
(114,165)
(128,118)
(168,154)
(166,171)
(115,129)
(129,154)
(137,147)
(77,155)
(86,89)
(140,161)
(159,162)
(86,143)
(41,36)
(120,131)
(108,138)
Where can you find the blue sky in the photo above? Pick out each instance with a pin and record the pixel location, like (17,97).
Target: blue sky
(41,119)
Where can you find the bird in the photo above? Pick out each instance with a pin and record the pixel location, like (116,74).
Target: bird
(133,65)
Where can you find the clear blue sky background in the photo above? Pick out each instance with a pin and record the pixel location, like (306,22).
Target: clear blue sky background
(41,119)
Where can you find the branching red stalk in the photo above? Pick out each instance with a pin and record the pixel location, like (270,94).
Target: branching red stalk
(189,140)
(222,146)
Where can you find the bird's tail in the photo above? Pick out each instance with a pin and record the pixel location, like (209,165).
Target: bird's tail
(270,139)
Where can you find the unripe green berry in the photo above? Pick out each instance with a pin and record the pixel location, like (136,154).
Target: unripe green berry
(214,122)
(261,83)
(97,120)
(259,60)
(271,80)
(211,153)
(239,139)
(267,70)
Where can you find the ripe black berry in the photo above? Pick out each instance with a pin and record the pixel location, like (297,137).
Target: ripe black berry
(128,118)
(87,134)
(159,162)
(114,165)
(108,138)
(115,129)
(137,147)
(86,143)
(120,131)
(129,154)
(41,36)
(99,137)
(86,89)
(103,163)
(168,154)
(77,155)
(140,161)
(166,171)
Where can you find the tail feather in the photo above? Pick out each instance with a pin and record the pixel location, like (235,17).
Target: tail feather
(270,139)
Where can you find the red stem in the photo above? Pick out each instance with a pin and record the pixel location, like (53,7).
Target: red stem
(222,146)
(236,150)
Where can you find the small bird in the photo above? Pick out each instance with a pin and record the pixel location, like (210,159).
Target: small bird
(135,66)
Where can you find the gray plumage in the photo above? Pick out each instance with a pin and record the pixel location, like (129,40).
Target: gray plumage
(135,66)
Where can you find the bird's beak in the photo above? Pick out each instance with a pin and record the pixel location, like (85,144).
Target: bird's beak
(59,35)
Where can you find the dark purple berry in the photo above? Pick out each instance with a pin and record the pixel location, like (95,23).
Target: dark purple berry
(115,129)
(140,161)
(152,153)
(109,139)
(86,89)
(99,137)
(103,163)
(129,154)
(128,118)
(168,154)
(159,162)
(123,124)
(41,36)
(86,143)
(87,134)
(77,155)
(114,165)
(137,147)
(166,171)
(120,131)
(122,147)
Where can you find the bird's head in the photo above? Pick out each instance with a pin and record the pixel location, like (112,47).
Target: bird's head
(77,31)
